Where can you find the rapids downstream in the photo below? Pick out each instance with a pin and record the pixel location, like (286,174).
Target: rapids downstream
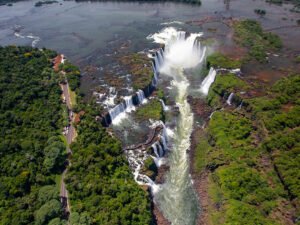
(176,197)
(182,55)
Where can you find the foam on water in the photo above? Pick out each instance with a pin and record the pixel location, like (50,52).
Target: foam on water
(176,197)
(229,99)
(208,80)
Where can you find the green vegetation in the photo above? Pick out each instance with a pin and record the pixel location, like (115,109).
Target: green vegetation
(149,168)
(200,154)
(252,155)
(100,183)
(152,110)
(140,68)
(32,153)
(223,86)
(72,75)
(219,60)
(249,34)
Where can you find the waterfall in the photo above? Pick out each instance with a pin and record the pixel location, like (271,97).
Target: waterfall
(110,99)
(176,198)
(161,150)
(117,113)
(160,56)
(158,161)
(155,77)
(158,156)
(155,150)
(137,157)
(165,108)
(164,143)
(229,99)
(241,105)
(129,104)
(62,61)
(210,116)
(156,63)
(209,79)
(158,59)
(141,97)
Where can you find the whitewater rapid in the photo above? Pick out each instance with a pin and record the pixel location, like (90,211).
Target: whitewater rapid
(176,198)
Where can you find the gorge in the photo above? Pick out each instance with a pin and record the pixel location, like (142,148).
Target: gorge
(182,114)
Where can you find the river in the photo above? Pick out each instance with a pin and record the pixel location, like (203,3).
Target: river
(94,35)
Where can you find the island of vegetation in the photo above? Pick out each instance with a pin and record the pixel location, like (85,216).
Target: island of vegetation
(140,68)
(152,110)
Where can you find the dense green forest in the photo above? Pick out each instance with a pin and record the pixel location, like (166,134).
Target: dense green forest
(253,155)
(251,151)
(32,150)
(100,183)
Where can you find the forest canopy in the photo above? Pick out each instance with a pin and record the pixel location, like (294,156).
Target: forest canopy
(32,151)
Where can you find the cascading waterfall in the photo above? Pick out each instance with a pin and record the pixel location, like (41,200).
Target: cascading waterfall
(208,80)
(141,97)
(129,104)
(229,99)
(110,98)
(119,111)
(176,197)
(241,105)
(155,150)
(158,152)
(165,108)
(137,157)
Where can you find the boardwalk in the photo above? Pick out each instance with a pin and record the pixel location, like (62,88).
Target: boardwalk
(151,139)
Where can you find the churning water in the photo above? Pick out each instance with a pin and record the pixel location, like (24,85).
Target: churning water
(176,197)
